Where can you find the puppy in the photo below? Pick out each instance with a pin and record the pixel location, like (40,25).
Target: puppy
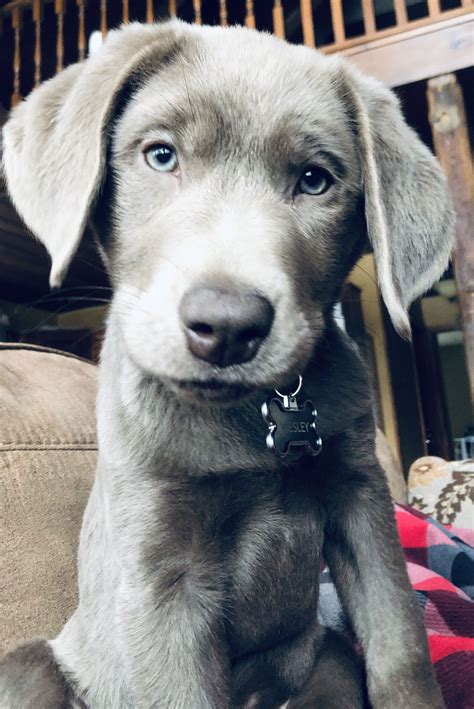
(233,181)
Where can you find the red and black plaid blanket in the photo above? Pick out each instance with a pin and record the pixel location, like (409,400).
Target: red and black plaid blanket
(440,562)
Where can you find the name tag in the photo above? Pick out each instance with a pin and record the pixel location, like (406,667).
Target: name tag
(291,428)
(299,427)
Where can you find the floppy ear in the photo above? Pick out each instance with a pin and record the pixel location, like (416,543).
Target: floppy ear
(409,215)
(54,144)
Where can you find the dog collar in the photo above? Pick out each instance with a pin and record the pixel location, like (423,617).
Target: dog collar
(291,427)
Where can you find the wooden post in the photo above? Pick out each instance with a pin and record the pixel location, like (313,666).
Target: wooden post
(433,8)
(369,16)
(278,19)
(337,18)
(103,17)
(60,9)
(451,142)
(81,30)
(400,13)
(37,11)
(306,10)
(223,13)
(249,15)
(125,12)
(172,9)
(150,15)
(197,12)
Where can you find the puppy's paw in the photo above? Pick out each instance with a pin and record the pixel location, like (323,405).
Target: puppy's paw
(418,690)
(31,679)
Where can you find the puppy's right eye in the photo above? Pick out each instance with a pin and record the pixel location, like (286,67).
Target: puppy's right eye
(161,157)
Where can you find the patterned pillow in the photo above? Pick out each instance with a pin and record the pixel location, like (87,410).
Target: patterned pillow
(444,490)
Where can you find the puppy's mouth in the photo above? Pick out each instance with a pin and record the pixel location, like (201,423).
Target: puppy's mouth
(211,390)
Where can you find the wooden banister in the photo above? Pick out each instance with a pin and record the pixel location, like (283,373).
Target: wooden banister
(35,46)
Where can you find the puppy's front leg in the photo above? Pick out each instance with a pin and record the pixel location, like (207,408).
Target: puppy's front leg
(367,564)
(174,653)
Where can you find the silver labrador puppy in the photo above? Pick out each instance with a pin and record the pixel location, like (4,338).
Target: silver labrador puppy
(232,180)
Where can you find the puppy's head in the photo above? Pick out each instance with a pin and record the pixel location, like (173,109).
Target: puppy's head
(232,180)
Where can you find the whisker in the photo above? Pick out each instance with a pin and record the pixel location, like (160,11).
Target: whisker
(42,322)
(357,265)
(101,269)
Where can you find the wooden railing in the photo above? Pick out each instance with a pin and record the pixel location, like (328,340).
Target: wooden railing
(39,37)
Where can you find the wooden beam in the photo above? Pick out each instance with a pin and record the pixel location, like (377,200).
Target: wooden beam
(417,54)
(451,141)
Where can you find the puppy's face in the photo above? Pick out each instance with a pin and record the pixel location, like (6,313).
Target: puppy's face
(227,193)
(236,214)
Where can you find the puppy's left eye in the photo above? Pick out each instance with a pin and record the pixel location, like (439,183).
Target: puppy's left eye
(161,157)
(315,180)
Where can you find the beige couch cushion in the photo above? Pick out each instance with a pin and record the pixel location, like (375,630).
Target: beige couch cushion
(47,460)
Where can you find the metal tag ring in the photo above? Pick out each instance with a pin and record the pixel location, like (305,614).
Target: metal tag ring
(294,393)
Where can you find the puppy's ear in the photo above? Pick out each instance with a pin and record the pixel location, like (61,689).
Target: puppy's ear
(409,215)
(55,142)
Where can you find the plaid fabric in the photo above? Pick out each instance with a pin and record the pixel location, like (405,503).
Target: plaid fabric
(440,563)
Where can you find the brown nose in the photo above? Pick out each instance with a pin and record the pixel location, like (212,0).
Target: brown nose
(223,326)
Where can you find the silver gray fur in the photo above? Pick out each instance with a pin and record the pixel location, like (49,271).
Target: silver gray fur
(200,552)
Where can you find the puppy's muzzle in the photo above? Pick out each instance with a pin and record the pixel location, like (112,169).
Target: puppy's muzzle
(225,326)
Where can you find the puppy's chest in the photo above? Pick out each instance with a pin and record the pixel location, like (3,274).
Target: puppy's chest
(269,538)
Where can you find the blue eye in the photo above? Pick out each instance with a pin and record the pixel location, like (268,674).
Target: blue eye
(161,157)
(315,180)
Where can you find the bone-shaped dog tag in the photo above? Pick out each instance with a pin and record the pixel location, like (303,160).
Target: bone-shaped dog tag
(291,428)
